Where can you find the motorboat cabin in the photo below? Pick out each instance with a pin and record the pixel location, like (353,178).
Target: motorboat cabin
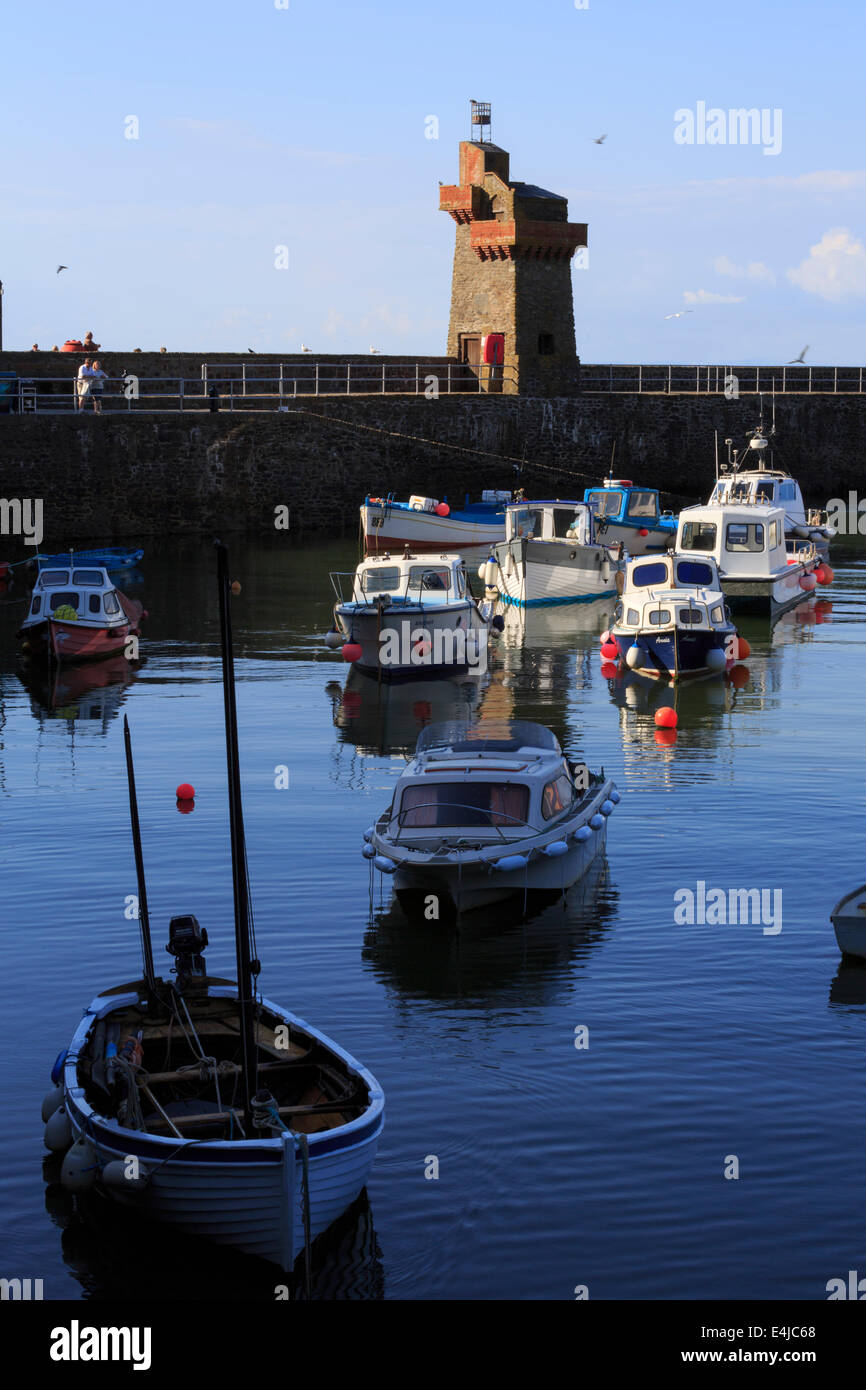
(747,543)
(746,479)
(632,515)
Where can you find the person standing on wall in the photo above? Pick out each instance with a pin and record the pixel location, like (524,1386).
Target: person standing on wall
(97,385)
(82,385)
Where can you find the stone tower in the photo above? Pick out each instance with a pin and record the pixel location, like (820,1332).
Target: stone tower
(512,270)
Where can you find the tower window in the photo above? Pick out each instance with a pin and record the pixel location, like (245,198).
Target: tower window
(546,346)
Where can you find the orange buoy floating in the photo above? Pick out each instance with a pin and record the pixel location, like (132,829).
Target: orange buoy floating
(824,574)
(666,717)
(351,651)
(741,648)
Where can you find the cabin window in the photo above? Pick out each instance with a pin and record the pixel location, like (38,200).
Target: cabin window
(787,492)
(557,797)
(63,597)
(691,617)
(643,504)
(655,573)
(429,578)
(738,492)
(633,617)
(744,536)
(35,605)
(607,502)
(461,582)
(774,534)
(93,604)
(718,615)
(111,605)
(563,521)
(87,577)
(464,803)
(764,492)
(380,581)
(528,523)
(699,535)
(660,616)
(54,577)
(693,572)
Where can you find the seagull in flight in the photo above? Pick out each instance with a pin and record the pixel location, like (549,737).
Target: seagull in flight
(62,267)
(679,314)
(801,360)
(599,140)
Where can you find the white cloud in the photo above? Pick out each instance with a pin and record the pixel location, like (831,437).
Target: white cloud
(755,270)
(835,267)
(709,297)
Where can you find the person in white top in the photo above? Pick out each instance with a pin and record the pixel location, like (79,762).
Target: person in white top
(98,379)
(82,385)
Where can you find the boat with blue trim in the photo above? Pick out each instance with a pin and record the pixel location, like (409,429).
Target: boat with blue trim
(196,1101)
(110,557)
(551,554)
(632,515)
(485,811)
(672,620)
(425,523)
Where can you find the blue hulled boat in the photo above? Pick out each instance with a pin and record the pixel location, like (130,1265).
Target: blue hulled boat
(671,620)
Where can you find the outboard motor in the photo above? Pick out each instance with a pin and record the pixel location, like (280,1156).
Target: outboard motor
(186,942)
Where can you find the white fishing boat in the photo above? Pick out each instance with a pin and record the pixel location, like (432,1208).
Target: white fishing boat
(404,616)
(672,620)
(198,1102)
(760,573)
(849,923)
(551,555)
(753,476)
(485,811)
(425,523)
(76,614)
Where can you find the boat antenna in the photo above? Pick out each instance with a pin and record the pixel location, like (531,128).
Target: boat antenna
(245,964)
(143,919)
(610,471)
(716,437)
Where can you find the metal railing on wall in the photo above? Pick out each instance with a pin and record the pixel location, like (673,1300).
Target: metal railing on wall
(239,386)
(728,381)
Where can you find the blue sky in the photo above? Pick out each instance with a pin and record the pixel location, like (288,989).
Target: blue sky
(304,127)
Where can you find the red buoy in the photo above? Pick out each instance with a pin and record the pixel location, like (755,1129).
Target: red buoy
(808,582)
(666,718)
(351,651)
(443,509)
(643,531)
(666,738)
(741,649)
(609,651)
(824,574)
(185,792)
(609,670)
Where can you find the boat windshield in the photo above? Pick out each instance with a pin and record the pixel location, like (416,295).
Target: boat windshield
(430,577)
(380,580)
(464,803)
(698,535)
(643,505)
(52,577)
(91,578)
(656,572)
(696,572)
(488,736)
(606,502)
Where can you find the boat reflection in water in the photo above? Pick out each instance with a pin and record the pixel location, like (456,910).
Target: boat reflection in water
(496,955)
(87,695)
(97,1236)
(387,717)
(848,988)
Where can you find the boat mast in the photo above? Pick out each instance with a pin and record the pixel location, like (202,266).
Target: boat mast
(143,919)
(246,997)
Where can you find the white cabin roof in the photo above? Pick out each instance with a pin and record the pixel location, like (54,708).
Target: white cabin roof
(92,577)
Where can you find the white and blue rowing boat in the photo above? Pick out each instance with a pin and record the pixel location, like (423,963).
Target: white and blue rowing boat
(199,1103)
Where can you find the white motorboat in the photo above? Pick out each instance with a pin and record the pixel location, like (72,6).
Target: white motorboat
(409,617)
(749,477)
(425,523)
(485,811)
(551,555)
(849,923)
(672,619)
(760,573)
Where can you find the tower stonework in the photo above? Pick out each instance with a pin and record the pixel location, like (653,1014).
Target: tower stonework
(512,274)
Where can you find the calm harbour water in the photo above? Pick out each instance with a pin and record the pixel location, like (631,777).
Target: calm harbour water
(557,1167)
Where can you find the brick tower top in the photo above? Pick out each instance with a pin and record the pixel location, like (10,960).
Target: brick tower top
(511,271)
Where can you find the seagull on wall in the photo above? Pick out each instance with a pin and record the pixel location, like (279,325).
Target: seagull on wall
(62,267)
(304,348)
(801,360)
(599,140)
(375,350)
(679,314)
(252,350)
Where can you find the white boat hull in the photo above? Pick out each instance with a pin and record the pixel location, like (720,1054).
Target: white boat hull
(849,923)
(537,573)
(388,528)
(766,596)
(416,640)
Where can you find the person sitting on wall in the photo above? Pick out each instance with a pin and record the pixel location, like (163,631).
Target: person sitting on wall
(35,347)
(89,345)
